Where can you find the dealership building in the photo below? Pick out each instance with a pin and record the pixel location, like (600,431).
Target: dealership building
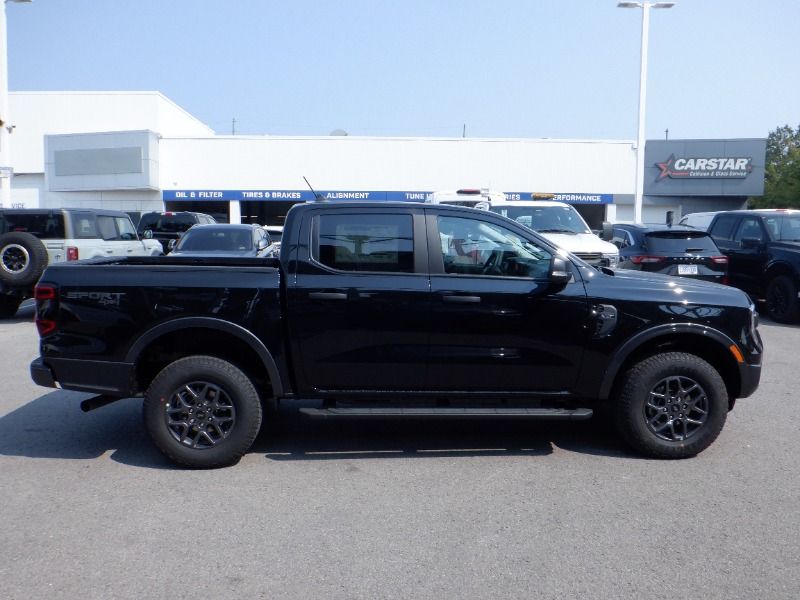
(139,151)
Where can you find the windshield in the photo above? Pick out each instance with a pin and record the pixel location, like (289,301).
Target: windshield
(545,219)
(215,239)
(785,228)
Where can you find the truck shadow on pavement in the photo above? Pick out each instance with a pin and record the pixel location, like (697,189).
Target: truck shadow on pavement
(53,426)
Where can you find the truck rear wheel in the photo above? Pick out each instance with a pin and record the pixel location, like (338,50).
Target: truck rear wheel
(782,303)
(202,412)
(671,405)
(23,258)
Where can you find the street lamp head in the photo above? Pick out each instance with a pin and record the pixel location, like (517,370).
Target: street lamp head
(663,5)
(629,5)
(19,1)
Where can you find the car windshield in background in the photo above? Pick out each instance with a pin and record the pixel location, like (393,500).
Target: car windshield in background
(215,240)
(167,223)
(680,241)
(43,226)
(550,219)
(784,228)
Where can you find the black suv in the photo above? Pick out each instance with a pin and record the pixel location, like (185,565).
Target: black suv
(167,226)
(676,250)
(763,249)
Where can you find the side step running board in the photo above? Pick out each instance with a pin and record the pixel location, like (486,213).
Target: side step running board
(578,414)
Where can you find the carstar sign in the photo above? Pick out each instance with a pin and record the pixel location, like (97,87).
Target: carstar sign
(718,168)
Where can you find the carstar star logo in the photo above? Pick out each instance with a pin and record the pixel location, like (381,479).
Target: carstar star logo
(718,168)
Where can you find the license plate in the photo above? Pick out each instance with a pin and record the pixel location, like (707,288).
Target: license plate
(687,269)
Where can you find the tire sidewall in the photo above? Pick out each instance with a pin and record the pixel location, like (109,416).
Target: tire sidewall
(643,377)
(789,288)
(36,262)
(219,372)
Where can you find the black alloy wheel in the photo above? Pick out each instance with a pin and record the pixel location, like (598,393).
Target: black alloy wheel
(677,408)
(671,405)
(202,412)
(782,302)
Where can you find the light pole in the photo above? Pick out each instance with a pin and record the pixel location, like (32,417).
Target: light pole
(640,141)
(5,123)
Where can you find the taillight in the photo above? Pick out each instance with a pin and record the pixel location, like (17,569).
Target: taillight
(44,294)
(719,260)
(725,280)
(645,260)
(72,253)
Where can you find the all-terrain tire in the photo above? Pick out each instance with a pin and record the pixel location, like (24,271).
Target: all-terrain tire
(671,405)
(23,258)
(782,303)
(202,412)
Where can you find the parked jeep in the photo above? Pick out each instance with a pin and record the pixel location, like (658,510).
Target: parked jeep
(763,250)
(30,239)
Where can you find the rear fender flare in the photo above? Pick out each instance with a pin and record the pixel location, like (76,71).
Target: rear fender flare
(210,323)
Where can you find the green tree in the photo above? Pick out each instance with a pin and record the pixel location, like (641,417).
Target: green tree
(782,170)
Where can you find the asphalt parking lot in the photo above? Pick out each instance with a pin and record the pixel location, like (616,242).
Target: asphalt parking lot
(395,510)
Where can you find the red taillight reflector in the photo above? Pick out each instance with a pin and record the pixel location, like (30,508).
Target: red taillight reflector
(468,191)
(44,292)
(640,260)
(45,326)
(719,260)
(72,253)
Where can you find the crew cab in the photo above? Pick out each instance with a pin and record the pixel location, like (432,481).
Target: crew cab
(32,238)
(763,250)
(396,310)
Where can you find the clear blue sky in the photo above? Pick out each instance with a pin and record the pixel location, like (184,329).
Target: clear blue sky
(505,68)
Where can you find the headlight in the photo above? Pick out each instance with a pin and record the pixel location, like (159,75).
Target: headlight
(613,259)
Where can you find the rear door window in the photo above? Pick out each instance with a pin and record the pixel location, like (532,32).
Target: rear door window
(352,242)
(722,229)
(85,226)
(107,228)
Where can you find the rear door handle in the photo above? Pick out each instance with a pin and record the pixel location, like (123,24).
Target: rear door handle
(327,296)
(462,299)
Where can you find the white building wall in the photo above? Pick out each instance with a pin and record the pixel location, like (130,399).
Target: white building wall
(356,163)
(36,114)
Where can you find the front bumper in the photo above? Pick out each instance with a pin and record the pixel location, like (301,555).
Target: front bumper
(749,376)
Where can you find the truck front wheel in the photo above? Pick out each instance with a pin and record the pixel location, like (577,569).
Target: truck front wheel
(671,405)
(782,303)
(202,412)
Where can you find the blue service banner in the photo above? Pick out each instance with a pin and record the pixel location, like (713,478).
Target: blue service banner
(396,196)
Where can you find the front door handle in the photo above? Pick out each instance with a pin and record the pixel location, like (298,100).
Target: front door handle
(462,299)
(327,296)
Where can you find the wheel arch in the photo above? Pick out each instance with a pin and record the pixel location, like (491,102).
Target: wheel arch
(779,267)
(202,335)
(705,342)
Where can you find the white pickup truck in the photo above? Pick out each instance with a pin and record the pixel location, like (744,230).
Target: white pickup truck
(30,239)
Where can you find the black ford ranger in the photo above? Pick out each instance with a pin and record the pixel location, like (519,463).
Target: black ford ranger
(395,310)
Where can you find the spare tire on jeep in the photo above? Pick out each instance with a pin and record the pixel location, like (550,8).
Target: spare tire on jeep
(23,258)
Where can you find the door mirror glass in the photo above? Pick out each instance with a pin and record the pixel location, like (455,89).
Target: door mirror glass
(171,245)
(560,274)
(148,234)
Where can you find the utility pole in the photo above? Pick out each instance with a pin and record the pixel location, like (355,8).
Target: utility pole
(666,134)
(233,126)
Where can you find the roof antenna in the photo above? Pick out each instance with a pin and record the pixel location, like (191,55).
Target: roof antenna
(317,197)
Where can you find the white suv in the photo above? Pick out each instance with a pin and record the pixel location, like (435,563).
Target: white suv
(30,239)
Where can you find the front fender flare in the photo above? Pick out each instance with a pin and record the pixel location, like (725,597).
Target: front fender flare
(636,342)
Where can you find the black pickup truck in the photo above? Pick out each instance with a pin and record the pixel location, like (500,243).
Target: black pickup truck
(396,310)
(763,250)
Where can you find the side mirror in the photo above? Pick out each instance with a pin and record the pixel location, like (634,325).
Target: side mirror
(171,245)
(560,274)
(607,230)
(147,234)
(263,244)
(751,243)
